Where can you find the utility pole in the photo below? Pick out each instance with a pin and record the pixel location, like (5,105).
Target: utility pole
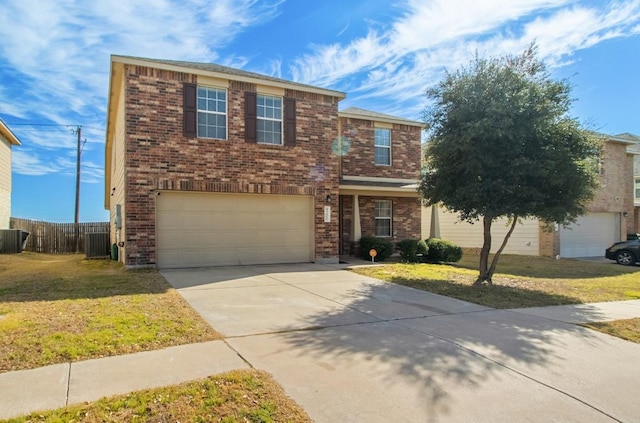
(77,215)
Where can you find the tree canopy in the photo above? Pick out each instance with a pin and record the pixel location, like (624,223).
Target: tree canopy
(502,144)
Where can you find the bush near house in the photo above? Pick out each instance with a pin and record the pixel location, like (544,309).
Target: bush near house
(383,247)
(440,250)
(412,250)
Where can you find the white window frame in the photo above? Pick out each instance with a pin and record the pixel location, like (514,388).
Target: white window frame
(636,189)
(380,146)
(215,112)
(381,218)
(269,113)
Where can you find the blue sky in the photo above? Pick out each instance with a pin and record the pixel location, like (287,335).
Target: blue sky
(54,64)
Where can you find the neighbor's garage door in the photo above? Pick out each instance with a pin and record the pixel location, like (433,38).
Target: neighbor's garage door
(590,235)
(211,229)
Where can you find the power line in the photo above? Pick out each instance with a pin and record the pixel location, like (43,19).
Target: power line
(40,124)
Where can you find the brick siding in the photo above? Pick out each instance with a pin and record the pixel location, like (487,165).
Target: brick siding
(405,215)
(359,160)
(616,185)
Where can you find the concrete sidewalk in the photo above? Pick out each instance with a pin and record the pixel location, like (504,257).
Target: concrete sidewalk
(56,386)
(351,348)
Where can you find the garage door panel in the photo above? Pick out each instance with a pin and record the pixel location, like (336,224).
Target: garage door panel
(228,229)
(590,235)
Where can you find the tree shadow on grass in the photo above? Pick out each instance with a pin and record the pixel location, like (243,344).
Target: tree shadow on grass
(495,296)
(433,358)
(546,267)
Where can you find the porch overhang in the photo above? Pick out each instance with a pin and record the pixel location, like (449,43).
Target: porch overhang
(377,187)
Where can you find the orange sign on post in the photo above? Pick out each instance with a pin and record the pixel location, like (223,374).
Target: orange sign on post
(373,253)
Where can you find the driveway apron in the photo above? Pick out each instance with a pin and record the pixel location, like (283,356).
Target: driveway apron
(350,348)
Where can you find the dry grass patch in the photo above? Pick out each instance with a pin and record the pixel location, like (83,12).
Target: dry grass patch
(626,329)
(60,308)
(239,396)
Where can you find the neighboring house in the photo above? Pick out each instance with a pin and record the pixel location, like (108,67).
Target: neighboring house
(7,140)
(611,215)
(208,165)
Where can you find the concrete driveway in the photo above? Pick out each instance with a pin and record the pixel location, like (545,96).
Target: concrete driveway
(349,348)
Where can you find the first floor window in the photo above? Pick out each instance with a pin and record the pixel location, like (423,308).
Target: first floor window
(212,113)
(382,146)
(269,114)
(637,190)
(383,218)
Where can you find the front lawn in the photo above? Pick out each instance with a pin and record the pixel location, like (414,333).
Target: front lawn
(60,308)
(239,396)
(520,281)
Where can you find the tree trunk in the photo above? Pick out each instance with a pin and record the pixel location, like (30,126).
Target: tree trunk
(494,262)
(486,271)
(484,276)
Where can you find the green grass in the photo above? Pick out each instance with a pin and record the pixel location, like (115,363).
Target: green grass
(65,308)
(520,281)
(239,396)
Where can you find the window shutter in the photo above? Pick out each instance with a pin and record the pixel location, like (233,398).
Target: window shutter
(290,121)
(250,117)
(190,110)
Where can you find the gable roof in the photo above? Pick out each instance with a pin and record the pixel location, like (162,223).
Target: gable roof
(357,113)
(629,137)
(225,72)
(8,134)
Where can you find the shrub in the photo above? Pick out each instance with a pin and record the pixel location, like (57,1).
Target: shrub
(408,250)
(442,250)
(412,250)
(383,246)
(423,250)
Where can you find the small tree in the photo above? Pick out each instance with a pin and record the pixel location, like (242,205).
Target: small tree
(502,145)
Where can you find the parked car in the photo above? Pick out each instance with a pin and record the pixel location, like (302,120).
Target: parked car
(626,252)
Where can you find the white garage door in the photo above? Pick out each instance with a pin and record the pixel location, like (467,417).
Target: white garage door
(211,229)
(590,235)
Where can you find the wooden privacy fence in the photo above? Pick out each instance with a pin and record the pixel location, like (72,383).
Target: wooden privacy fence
(56,238)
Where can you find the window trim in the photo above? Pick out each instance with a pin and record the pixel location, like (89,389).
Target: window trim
(261,118)
(636,188)
(376,146)
(377,218)
(225,113)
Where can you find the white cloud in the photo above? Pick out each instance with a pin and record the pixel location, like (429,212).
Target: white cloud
(399,63)
(26,162)
(60,50)
(329,64)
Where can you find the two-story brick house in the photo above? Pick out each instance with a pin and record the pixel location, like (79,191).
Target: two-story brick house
(209,165)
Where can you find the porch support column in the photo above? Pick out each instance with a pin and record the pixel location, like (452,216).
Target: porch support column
(434,229)
(356,230)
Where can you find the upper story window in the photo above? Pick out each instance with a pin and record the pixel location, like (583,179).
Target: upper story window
(637,189)
(269,114)
(383,218)
(212,113)
(382,144)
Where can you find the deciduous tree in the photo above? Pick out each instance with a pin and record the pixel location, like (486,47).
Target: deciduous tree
(502,144)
